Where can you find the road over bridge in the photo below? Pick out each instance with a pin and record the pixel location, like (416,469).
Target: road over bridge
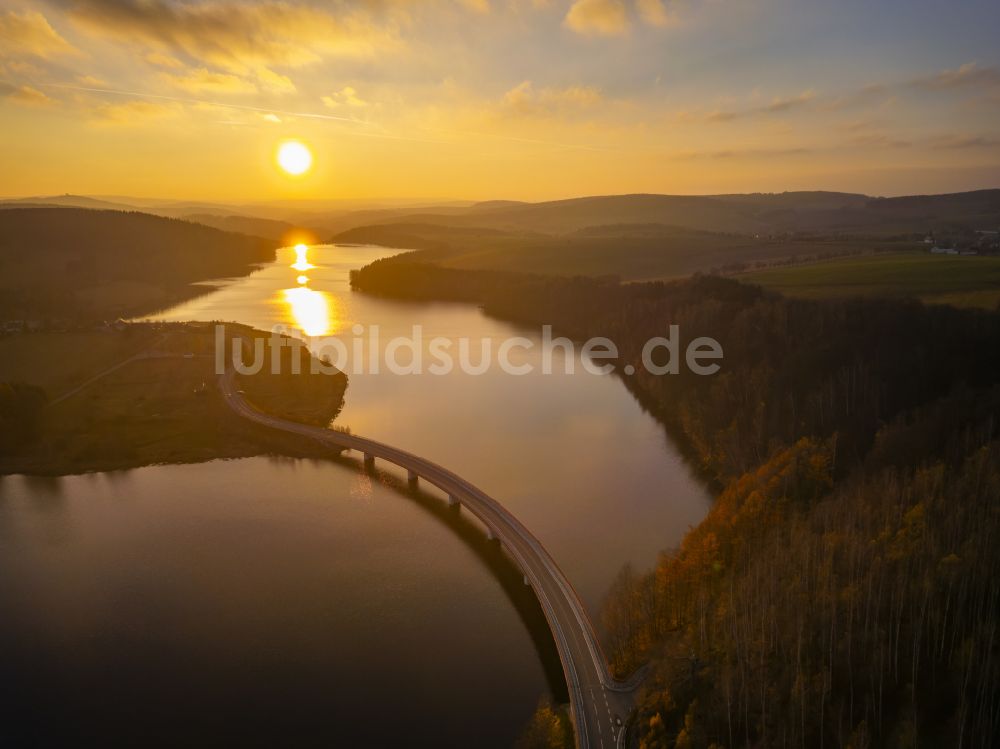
(599,704)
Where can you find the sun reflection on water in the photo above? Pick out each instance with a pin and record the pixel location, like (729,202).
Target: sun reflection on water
(302,258)
(311,310)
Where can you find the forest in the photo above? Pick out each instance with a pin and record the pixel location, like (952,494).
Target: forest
(78,264)
(841,590)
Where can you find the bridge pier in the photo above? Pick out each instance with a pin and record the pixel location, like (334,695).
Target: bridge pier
(411,477)
(490,534)
(579,651)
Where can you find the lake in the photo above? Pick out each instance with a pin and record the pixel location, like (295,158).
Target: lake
(267,597)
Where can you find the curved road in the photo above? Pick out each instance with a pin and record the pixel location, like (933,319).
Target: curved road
(599,704)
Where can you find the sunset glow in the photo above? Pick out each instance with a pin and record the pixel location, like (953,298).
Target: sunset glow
(425,100)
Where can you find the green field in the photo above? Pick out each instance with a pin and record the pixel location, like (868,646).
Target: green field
(963,281)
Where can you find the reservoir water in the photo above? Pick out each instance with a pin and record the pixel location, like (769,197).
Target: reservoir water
(272,598)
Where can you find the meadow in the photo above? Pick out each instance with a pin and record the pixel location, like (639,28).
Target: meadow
(962,281)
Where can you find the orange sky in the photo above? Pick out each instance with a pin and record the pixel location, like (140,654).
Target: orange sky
(481,99)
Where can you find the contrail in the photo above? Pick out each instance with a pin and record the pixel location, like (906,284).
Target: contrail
(243,107)
(192,100)
(319,116)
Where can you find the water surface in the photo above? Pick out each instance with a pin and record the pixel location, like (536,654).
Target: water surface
(268,601)
(574,456)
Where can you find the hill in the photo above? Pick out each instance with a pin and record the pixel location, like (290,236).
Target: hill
(258,227)
(759,213)
(66,201)
(648,237)
(633,252)
(79,263)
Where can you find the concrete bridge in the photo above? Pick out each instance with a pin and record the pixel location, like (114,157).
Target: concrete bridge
(599,704)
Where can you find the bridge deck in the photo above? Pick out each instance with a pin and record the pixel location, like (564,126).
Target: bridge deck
(598,703)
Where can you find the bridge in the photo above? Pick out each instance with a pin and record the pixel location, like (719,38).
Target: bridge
(599,704)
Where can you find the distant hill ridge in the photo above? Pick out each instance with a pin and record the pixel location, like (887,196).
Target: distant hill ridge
(814,211)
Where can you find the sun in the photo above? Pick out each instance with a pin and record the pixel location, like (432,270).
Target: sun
(294,157)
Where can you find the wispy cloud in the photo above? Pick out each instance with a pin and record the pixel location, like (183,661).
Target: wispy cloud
(480,6)
(964,142)
(969,75)
(346,97)
(601,17)
(153,97)
(131,112)
(526,99)
(236,37)
(203,80)
(775,106)
(30,33)
(742,153)
(163,60)
(655,13)
(25,95)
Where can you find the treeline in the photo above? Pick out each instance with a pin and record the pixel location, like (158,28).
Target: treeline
(841,591)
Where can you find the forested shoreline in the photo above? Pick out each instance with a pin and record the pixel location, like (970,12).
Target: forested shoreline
(76,265)
(840,592)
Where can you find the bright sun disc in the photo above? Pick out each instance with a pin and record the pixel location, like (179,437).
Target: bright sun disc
(294,157)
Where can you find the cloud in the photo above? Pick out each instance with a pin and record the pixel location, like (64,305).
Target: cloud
(275,82)
(742,153)
(655,13)
(793,102)
(776,106)
(131,112)
(600,17)
(162,60)
(878,140)
(233,36)
(203,80)
(967,76)
(524,98)
(480,6)
(29,33)
(962,142)
(92,81)
(871,94)
(346,97)
(25,95)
